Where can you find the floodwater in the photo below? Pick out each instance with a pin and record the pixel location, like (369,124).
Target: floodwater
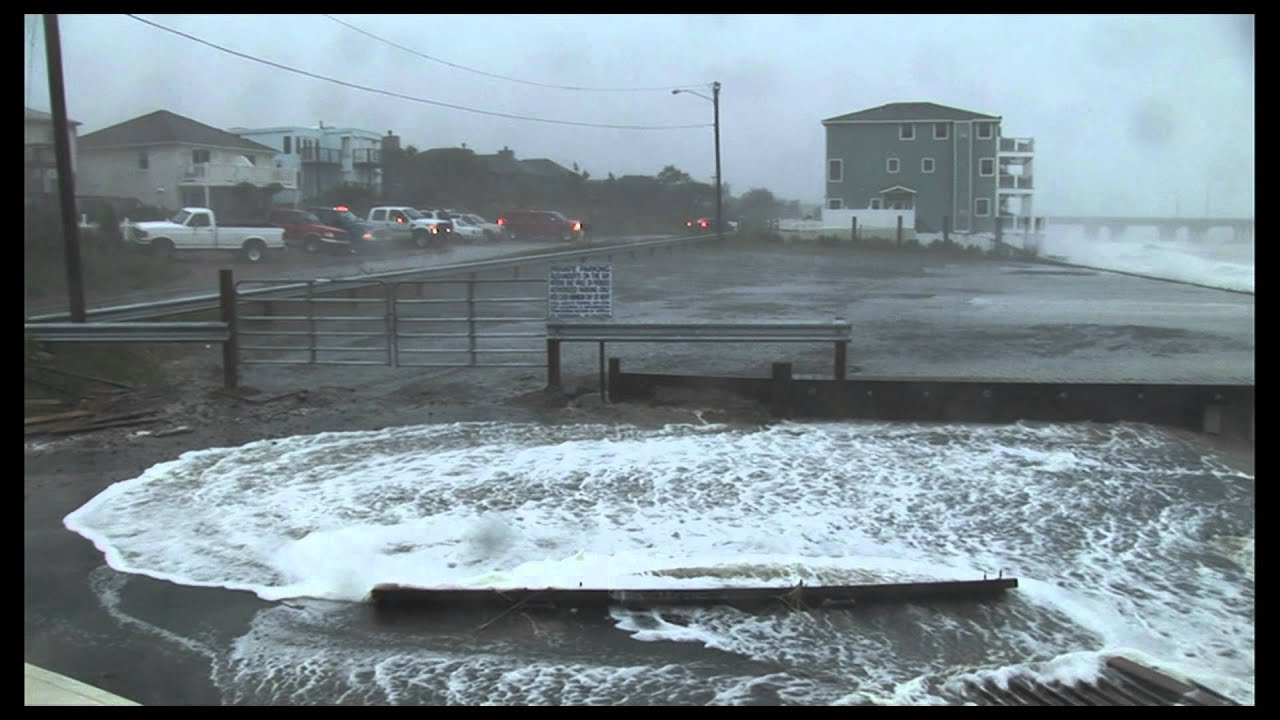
(1124,538)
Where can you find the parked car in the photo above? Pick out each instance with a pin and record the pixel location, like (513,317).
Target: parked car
(442,219)
(305,230)
(535,224)
(340,216)
(464,229)
(490,230)
(196,228)
(400,223)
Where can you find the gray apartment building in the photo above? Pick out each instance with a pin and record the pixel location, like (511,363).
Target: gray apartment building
(941,162)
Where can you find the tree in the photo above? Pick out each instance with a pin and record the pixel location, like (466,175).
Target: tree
(756,206)
(671,175)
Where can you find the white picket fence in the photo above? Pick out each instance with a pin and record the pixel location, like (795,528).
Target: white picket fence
(872,224)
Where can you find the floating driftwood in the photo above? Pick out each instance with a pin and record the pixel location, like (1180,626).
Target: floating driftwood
(392,596)
(1120,681)
(82,376)
(96,422)
(42,419)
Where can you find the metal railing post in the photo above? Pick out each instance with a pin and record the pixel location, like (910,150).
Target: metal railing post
(311,322)
(553,363)
(471,319)
(393,324)
(230,350)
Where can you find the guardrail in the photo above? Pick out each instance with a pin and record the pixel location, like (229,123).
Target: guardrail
(205,332)
(204,303)
(223,331)
(838,332)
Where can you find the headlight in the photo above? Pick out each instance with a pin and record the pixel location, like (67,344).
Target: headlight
(367,236)
(329,236)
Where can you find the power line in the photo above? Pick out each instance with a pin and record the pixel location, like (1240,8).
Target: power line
(664,88)
(408,97)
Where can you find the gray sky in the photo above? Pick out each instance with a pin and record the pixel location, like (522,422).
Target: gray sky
(1131,114)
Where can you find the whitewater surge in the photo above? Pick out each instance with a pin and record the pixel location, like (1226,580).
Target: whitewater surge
(1123,537)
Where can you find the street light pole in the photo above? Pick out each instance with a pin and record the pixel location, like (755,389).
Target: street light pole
(715,102)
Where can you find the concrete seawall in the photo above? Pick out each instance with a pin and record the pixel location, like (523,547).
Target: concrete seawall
(1216,409)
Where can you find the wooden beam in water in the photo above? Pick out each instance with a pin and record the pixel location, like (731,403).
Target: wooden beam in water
(794,597)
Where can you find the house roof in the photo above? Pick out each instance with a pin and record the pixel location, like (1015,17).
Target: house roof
(44,116)
(165,128)
(504,165)
(899,112)
(543,166)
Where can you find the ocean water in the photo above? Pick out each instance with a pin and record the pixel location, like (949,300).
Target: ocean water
(1125,538)
(1217,260)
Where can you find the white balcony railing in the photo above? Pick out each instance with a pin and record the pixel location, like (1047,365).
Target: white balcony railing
(1017,145)
(212,173)
(1016,182)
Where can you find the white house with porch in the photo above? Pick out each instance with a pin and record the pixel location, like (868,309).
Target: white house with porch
(170,161)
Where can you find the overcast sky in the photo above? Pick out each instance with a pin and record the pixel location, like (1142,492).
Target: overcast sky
(1131,114)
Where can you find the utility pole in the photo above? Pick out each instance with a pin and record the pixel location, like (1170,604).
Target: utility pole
(715,101)
(62,152)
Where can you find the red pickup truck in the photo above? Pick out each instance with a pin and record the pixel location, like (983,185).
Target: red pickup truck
(303,229)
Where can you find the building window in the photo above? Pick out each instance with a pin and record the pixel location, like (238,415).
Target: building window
(288,145)
(199,156)
(941,131)
(987,167)
(875,203)
(143,163)
(835,171)
(906,131)
(835,204)
(253,159)
(927,165)
(892,165)
(982,207)
(984,131)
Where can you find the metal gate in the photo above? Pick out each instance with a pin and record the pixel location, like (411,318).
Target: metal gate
(472,322)
(465,322)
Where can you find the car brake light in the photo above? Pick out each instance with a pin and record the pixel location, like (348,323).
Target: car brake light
(341,208)
(704,223)
(577,227)
(502,221)
(688,223)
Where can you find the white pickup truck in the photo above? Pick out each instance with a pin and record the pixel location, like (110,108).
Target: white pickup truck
(399,223)
(195,228)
